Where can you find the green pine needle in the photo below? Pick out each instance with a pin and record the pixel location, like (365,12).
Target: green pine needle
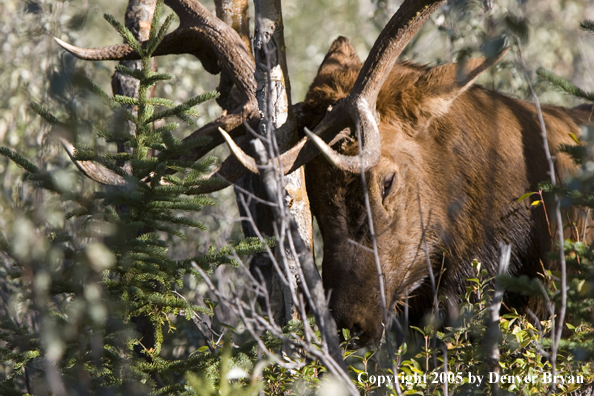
(49,117)
(179,110)
(214,183)
(117,136)
(185,206)
(167,127)
(157,146)
(587,25)
(166,229)
(84,154)
(173,180)
(565,85)
(185,118)
(165,27)
(168,139)
(200,99)
(135,73)
(197,142)
(125,33)
(183,221)
(126,100)
(19,160)
(192,113)
(154,42)
(159,102)
(155,22)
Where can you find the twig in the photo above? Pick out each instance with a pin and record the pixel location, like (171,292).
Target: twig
(432,278)
(562,309)
(387,317)
(493,332)
(199,324)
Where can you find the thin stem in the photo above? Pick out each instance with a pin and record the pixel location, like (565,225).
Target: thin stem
(557,210)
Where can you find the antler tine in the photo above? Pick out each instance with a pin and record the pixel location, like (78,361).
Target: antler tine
(201,34)
(182,41)
(407,21)
(371,152)
(291,160)
(359,106)
(361,101)
(227,173)
(217,46)
(92,170)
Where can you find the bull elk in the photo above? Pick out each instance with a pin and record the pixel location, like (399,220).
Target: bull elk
(444,162)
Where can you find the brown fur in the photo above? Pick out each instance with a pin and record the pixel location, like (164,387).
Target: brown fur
(462,155)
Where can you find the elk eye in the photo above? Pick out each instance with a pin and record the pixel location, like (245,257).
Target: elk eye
(387,185)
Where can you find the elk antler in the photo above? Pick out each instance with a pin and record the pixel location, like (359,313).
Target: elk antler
(205,36)
(358,108)
(216,45)
(92,169)
(361,100)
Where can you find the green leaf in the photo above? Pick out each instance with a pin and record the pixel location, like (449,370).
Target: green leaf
(523,197)
(575,138)
(346,334)
(227,327)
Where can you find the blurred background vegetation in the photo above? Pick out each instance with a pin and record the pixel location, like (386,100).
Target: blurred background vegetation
(31,60)
(34,69)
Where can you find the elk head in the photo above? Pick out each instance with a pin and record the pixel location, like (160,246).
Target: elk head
(398,231)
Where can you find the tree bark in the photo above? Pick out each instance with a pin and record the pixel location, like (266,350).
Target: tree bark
(274,100)
(139,16)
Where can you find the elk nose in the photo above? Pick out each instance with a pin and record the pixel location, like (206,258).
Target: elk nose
(356,330)
(358,336)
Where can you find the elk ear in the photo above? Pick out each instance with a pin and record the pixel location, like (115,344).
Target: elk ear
(336,74)
(340,57)
(441,85)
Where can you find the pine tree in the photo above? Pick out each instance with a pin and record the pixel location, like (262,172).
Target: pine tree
(86,287)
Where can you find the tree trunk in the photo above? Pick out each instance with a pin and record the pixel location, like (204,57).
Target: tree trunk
(138,19)
(274,99)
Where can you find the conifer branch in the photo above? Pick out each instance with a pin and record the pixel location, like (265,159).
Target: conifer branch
(587,25)
(565,85)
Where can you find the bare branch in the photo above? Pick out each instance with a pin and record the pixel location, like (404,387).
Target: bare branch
(562,309)
(493,335)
